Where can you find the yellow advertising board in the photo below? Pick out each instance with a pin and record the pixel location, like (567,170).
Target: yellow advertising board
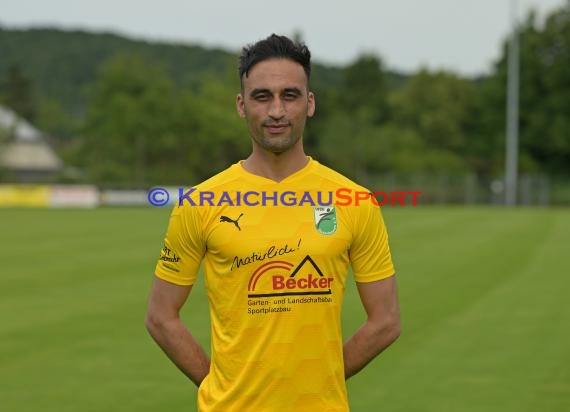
(24,195)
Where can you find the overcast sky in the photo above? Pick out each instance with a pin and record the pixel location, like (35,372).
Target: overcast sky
(460,35)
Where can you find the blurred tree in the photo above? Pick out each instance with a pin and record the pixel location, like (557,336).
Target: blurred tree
(176,122)
(17,93)
(224,134)
(438,107)
(130,110)
(297,36)
(358,148)
(544,99)
(140,130)
(208,132)
(364,87)
(52,119)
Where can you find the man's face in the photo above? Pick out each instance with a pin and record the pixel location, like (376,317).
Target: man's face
(275,102)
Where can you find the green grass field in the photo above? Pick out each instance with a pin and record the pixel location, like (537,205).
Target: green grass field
(484,296)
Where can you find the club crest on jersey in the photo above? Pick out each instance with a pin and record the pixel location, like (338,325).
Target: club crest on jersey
(325,219)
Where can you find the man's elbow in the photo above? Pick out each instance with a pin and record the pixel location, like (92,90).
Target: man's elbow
(389,330)
(394,330)
(153,322)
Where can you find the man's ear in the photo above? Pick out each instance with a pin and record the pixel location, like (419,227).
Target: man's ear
(240,105)
(311,104)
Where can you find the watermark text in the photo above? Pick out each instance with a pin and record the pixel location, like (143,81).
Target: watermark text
(340,197)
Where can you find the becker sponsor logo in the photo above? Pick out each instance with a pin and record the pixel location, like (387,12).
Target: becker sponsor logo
(282,278)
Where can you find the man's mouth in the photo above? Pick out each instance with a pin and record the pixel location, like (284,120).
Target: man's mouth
(276,128)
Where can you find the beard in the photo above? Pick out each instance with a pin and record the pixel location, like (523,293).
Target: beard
(276,144)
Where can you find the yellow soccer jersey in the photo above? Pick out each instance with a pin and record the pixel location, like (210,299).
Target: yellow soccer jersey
(276,258)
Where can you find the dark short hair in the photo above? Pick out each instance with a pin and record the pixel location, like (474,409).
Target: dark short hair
(274,46)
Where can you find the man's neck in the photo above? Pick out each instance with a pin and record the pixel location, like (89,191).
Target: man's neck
(276,166)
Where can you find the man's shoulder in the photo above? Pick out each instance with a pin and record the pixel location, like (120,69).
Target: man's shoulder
(220,180)
(210,188)
(336,178)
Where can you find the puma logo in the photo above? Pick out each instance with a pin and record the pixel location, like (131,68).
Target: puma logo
(229,220)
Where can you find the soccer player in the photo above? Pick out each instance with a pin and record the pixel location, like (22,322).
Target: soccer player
(276,253)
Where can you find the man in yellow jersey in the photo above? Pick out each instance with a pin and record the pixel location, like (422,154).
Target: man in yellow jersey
(276,252)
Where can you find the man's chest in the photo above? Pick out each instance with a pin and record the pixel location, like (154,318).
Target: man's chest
(279,250)
(236,233)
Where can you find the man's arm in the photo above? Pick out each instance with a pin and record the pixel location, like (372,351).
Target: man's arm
(165,326)
(382,327)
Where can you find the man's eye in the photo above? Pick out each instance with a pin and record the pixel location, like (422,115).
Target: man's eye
(261,97)
(290,96)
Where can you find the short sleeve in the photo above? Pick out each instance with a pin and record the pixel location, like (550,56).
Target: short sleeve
(370,252)
(183,248)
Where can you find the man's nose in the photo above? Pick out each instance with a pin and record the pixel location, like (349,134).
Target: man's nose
(276,109)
